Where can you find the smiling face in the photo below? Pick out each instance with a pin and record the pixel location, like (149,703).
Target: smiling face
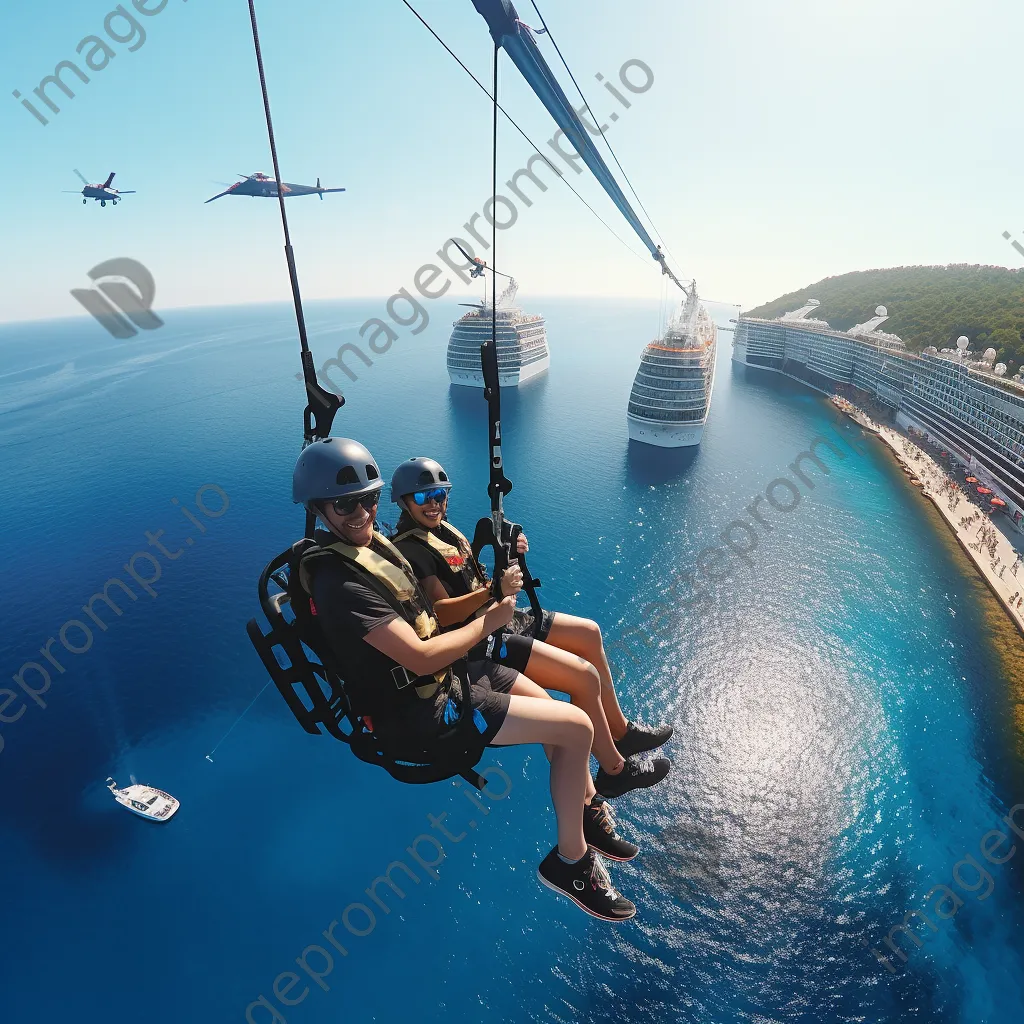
(355,527)
(429,514)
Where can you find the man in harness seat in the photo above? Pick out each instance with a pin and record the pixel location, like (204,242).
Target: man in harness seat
(563,652)
(409,681)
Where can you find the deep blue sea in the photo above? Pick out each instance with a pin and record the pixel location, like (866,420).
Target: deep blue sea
(846,709)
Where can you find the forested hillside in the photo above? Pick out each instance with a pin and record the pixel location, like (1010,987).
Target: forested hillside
(927,305)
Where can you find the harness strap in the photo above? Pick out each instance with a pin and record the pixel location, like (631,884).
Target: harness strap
(461,549)
(398,582)
(315,692)
(397,577)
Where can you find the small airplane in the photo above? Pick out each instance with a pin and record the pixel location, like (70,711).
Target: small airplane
(260,184)
(103,193)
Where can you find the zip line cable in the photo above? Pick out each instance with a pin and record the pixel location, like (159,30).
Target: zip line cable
(307,358)
(597,124)
(662,311)
(494,220)
(209,756)
(328,407)
(292,274)
(321,405)
(512,121)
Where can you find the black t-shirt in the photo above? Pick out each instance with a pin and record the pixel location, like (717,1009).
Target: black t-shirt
(425,561)
(347,609)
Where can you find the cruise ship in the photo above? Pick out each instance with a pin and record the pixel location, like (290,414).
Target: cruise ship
(671,394)
(962,402)
(522,343)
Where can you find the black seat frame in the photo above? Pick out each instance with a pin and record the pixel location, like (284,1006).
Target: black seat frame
(314,690)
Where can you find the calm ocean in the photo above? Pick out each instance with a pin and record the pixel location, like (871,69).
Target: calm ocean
(846,706)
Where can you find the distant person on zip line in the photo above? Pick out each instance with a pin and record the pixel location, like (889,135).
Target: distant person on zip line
(566,654)
(410,681)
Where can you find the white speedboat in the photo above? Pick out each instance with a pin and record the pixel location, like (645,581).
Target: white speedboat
(145,801)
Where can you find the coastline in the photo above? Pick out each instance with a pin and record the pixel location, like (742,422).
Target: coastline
(934,483)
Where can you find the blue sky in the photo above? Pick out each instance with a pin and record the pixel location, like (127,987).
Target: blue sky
(778,144)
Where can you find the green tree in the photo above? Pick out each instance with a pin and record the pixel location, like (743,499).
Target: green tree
(926,305)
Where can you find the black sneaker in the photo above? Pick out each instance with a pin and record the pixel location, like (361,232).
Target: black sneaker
(599,832)
(587,884)
(640,738)
(635,774)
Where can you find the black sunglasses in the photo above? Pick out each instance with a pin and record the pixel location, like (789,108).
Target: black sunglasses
(346,506)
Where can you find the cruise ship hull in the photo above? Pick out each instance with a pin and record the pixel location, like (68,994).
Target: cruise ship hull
(522,341)
(474,379)
(671,395)
(975,415)
(665,435)
(739,350)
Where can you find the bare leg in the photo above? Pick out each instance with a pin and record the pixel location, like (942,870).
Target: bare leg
(556,669)
(528,688)
(569,732)
(583,637)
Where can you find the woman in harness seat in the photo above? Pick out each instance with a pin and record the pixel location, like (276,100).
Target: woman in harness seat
(410,679)
(567,653)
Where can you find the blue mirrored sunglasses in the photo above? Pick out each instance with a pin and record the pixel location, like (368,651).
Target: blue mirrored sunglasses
(437,494)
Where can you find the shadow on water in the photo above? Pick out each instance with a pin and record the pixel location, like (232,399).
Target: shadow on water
(689,860)
(463,399)
(773,381)
(522,414)
(649,465)
(758,375)
(84,829)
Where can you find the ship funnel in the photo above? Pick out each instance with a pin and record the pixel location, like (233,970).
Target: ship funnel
(799,314)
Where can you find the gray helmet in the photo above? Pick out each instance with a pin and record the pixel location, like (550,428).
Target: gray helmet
(417,475)
(334,467)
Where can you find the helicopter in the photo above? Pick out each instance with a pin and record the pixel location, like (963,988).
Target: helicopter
(260,184)
(103,193)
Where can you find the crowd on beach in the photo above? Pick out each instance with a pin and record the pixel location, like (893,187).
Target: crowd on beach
(936,483)
(987,537)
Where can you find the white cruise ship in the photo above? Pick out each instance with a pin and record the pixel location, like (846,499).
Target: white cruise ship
(671,394)
(522,343)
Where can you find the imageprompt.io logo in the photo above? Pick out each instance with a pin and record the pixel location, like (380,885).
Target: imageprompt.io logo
(123,296)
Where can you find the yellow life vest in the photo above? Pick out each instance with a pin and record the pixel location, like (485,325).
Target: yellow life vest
(400,581)
(459,556)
